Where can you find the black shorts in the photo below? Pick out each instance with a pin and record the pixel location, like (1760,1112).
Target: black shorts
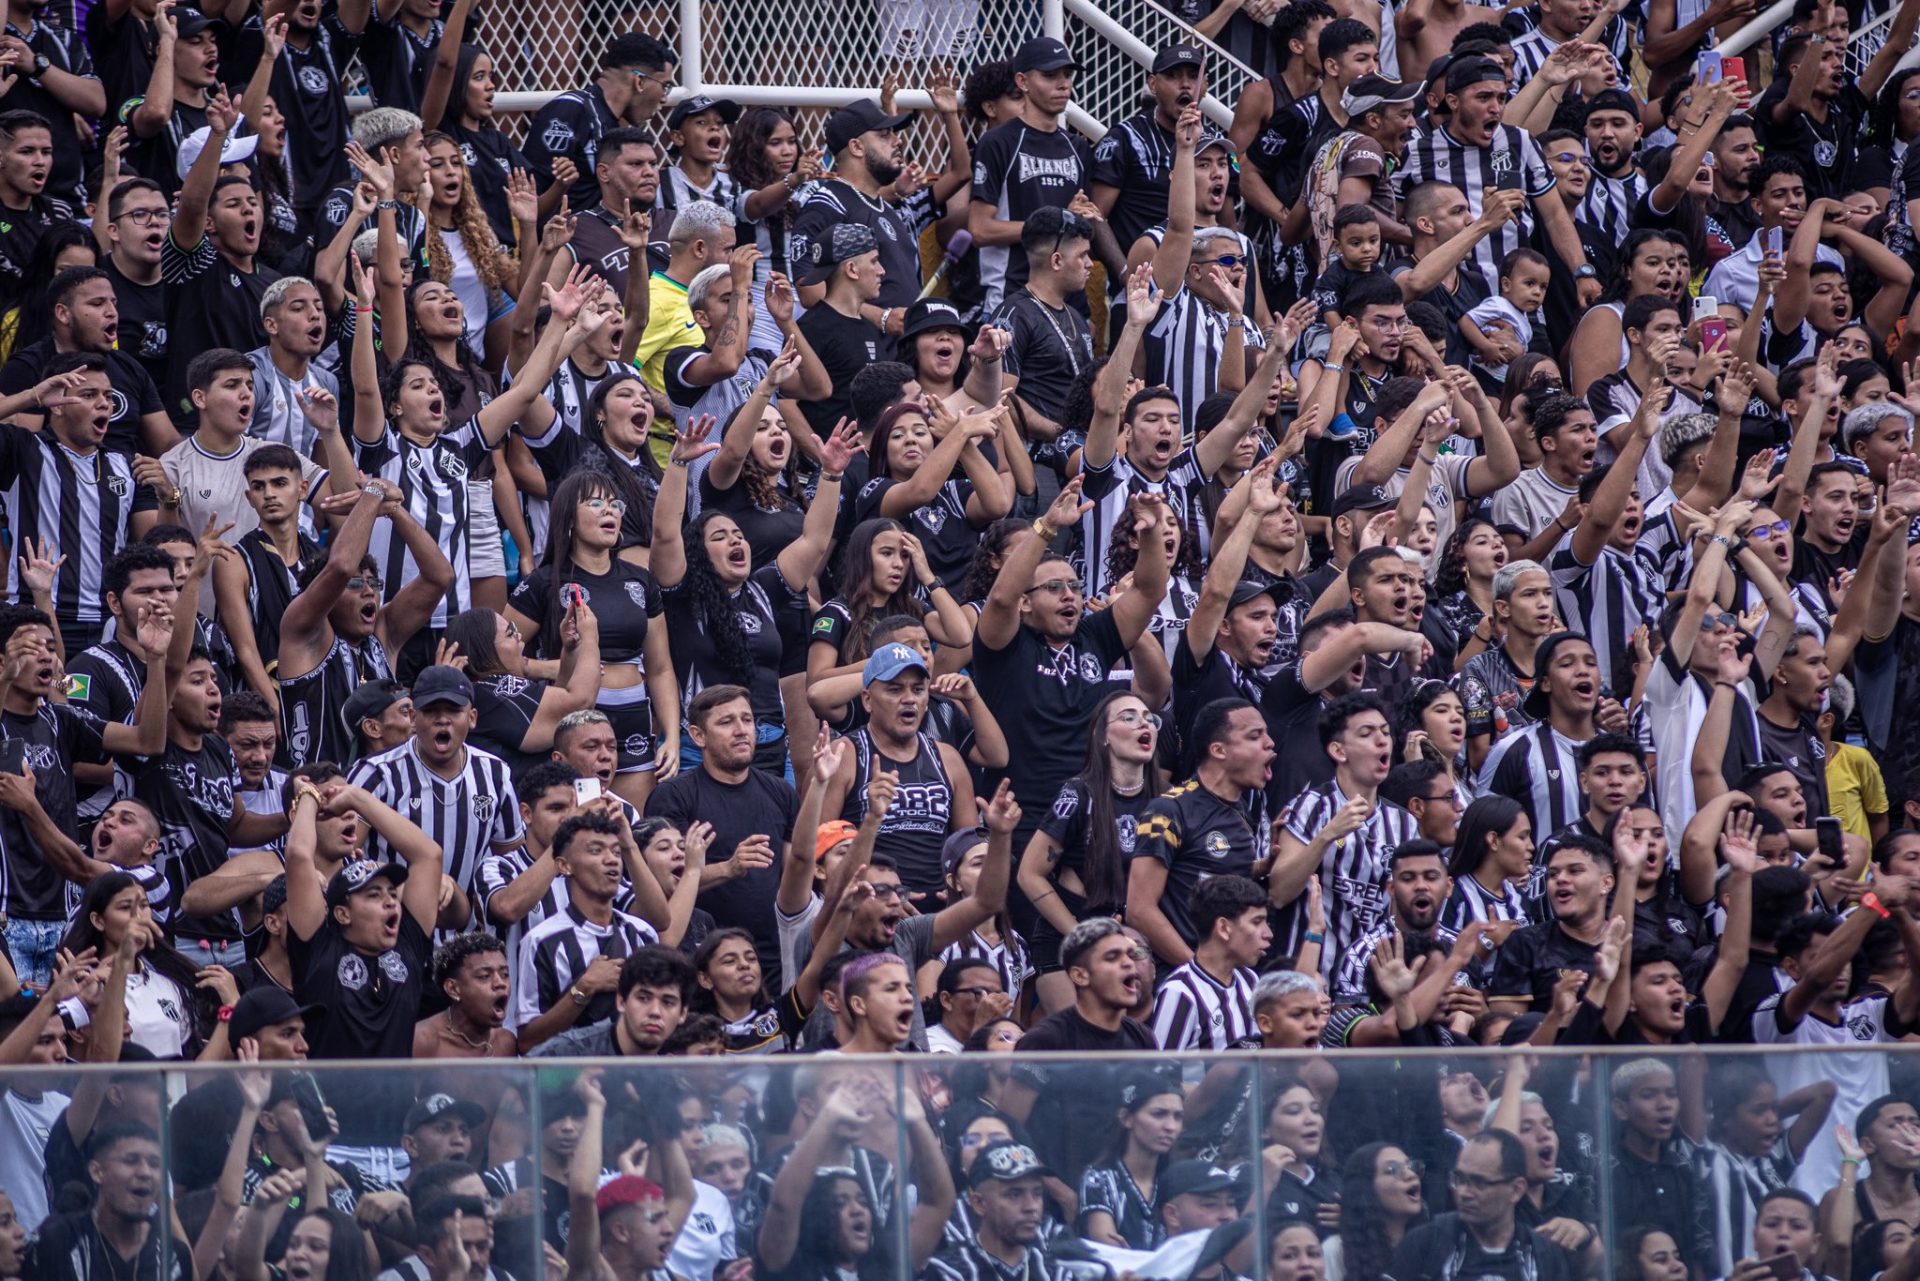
(633,733)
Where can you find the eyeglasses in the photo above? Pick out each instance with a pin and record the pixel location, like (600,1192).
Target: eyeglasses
(616,505)
(1445,798)
(361,582)
(662,78)
(1059,587)
(887,893)
(1473,1182)
(1776,529)
(1568,158)
(1399,1169)
(1727,621)
(1229,261)
(1132,717)
(1393,325)
(1141,954)
(143,217)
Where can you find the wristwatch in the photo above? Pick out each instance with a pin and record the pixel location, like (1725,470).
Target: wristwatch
(1584,271)
(579,997)
(40,65)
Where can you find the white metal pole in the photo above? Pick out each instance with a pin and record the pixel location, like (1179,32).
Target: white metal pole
(1748,36)
(1053,19)
(692,70)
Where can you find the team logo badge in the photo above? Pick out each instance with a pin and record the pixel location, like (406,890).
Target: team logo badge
(352,972)
(313,82)
(558,136)
(394,966)
(637,593)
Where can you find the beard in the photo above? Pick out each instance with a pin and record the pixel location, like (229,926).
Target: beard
(883,172)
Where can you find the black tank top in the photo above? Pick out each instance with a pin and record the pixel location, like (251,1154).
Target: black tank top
(922,811)
(270,589)
(314,705)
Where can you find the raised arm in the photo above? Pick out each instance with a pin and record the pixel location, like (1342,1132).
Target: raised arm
(1610,497)
(1134,608)
(801,559)
(1000,615)
(446,61)
(1110,385)
(306,897)
(667,555)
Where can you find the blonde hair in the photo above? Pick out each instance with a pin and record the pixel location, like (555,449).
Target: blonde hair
(490,259)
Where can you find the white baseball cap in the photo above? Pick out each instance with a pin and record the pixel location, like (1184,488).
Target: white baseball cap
(232,151)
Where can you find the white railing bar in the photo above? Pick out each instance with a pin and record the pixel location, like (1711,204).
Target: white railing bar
(1053,19)
(692,68)
(1761,24)
(1126,42)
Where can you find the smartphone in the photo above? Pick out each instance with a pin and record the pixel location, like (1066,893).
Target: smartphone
(1509,179)
(1784,1267)
(586,790)
(1734,68)
(313,1108)
(1826,831)
(1705,307)
(1776,241)
(570,595)
(1713,333)
(13,755)
(1708,67)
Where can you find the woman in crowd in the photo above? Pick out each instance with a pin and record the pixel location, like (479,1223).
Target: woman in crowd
(170,1001)
(1492,856)
(765,158)
(1379,1200)
(1117,1193)
(912,468)
(754,476)
(886,575)
(517,710)
(1463,584)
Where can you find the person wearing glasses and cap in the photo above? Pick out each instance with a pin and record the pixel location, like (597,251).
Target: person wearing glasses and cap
(633,79)
(1029,163)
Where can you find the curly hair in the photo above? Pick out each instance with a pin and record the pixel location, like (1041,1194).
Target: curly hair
(770,491)
(1451,575)
(747,150)
(1363,1220)
(985,567)
(1123,550)
(856,589)
(714,609)
(493,263)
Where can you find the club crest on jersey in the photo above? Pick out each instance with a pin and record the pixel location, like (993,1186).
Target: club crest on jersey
(453,467)
(337,209)
(117,486)
(637,593)
(1064,806)
(352,972)
(394,966)
(1217,845)
(483,807)
(750,623)
(558,136)
(313,82)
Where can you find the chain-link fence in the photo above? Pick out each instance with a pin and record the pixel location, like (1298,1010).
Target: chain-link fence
(811,55)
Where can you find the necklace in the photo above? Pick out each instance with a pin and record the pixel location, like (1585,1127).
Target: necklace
(484,1044)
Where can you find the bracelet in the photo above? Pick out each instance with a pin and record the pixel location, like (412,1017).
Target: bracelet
(1429,461)
(1727,684)
(1851,1160)
(886,318)
(1047,532)
(362,311)
(1311,937)
(833,476)
(676,462)
(1872,903)
(579,997)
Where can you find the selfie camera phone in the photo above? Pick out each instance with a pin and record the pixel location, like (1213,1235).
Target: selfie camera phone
(1776,241)
(13,756)
(1826,831)
(1708,67)
(1733,69)
(586,790)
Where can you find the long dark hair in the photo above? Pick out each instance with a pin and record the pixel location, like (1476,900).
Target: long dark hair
(473,631)
(1883,124)
(1488,816)
(764,488)
(747,149)
(457,96)
(83,934)
(637,527)
(1623,262)
(1123,552)
(35,302)
(1136,1089)
(466,370)
(714,608)
(567,495)
(1451,576)
(985,567)
(814,1253)
(703,998)
(347,1244)
(1363,1220)
(856,589)
(1103,865)
(1522,374)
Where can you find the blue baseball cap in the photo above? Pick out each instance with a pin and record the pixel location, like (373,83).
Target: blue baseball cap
(889,661)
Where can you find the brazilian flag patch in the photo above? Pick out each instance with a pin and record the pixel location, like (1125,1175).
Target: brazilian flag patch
(79,686)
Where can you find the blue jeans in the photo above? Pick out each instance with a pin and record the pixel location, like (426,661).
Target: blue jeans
(32,945)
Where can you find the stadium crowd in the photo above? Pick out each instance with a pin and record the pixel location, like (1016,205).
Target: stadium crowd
(1431,566)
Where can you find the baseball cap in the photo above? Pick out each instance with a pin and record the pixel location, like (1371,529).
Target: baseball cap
(930,314)
(1005,1160)
(729,109)
(856,118)
(956,847)
(1177,55)
(189,23)
(356,876)
(842,242)
(1211,138)
(263,1007)
(1471,71)
(1535,703)
(1187,1177)
(232,151)
(371,700)
(1358,498)
(830,834)
(1044,53)
(1247,589)
(1370,93)
(437,1105)
(889,661)
(442,684)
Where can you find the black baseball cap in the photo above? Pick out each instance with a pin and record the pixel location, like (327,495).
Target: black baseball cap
(1004,1160)
(1471,71)
(1357,498)
(932,313)
(1187,1177)
(1044,53)
(262,1008)
(442,684)
(842,242)
(438,1105)
(1177,55)
(957,846)
(729,109)
(1248,589)
(1370,93)
(856,118)
(191,22)
(371,701)
(359,874)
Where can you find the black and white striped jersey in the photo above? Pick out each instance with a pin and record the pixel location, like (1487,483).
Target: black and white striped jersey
(1511,157)
(82,504)
(1008,957)
(1355,870)
(475,811)
(1350,980)
(558,951)
(971,1262)
(1109,1187)
(1536,767)
(1609,204)
(1471,901)
(1185,347)
(1606,602)
(433,480)
(1112,487)
(501,868)
(314,703)
(1195,1011)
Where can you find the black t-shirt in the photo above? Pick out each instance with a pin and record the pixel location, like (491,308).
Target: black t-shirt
(505,707)
(764,605)
(769,530)
(372,1003)
(1529,963)
(1043,698)
(214,304)
(845,346)
(1048,351)
(1445,1247)
(56,736)
(1067,822)
(70,1248)
(134,393)
(1072,1117)
(192,795)
(123,54)
(941,525)
(143,325)
(397,61)
(1018,169)
(1195,835)
(490,156)
(762,805)
(307,88)
(896,230)
(20,232)
(622,600)
(1826,150)
(1293,722)
(1799,748)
